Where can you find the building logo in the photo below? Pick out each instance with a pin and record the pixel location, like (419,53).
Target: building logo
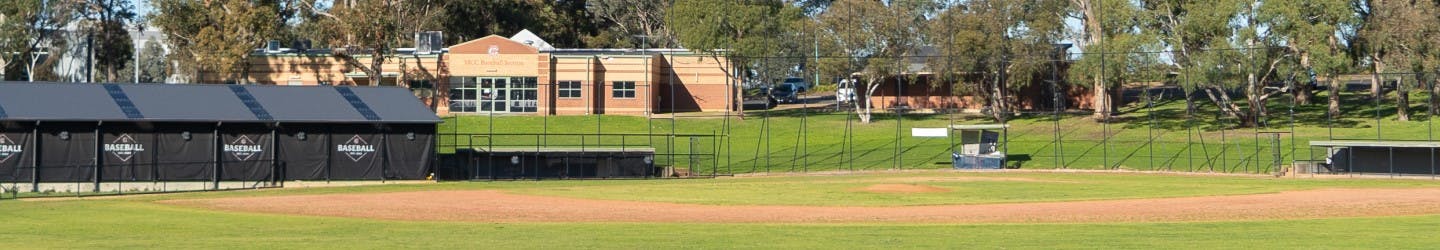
(9,148)
(494,50)
(243,148)
(356,148)
(124,147)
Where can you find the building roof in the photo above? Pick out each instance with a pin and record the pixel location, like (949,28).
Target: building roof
(21,101)
(1376,144)
(529,38)
(979,126)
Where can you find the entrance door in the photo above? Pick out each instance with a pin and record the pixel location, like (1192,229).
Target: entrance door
(493,95)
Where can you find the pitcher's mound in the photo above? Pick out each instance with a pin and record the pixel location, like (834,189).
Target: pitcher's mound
(901,189)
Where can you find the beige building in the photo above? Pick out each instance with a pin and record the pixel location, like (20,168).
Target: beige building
(524,75)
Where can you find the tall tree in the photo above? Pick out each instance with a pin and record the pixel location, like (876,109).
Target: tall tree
(150,62)
(1221,47)
(743,30)
(1005,41)
(107,22)
(1114,40)
(564,23)
(215,36)
(632,23)
(368,31)
(32,29)
(1397,34)
(875,36)
(1312,30)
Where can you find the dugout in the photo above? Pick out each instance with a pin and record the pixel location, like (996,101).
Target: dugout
(552,162)
(99,133)
(1390,157)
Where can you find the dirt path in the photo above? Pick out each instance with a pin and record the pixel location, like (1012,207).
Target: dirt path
(496,206)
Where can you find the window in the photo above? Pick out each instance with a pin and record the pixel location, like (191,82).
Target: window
(624,89)
(524,95)
(569,89)
(295,81)
(493,94)
(463,94)
(420,84)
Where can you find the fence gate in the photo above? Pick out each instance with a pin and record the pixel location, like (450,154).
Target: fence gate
(1277,164)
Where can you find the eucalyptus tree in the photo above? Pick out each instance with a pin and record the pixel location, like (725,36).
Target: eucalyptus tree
(32,29)
(373,29)
(633,22)
(1222,47)
(1398,36)
(1314,31)
(874,36)
(215,36)
(745,31)
(1116,46)
(997,45)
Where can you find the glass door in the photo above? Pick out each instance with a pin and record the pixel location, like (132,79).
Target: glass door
(493,94)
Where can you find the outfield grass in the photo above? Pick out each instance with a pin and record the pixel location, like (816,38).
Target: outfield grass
(138,222)
(772,141)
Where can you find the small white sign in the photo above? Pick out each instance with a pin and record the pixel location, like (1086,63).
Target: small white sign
(929,132)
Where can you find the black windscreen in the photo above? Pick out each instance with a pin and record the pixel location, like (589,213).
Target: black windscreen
(68,152)
(409,151)
(185,152)
(16,152)
(245,152)
(355,152)
(304,151)
(128,152)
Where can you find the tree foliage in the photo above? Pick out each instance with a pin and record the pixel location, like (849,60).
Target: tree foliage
(216,36)
(998,43)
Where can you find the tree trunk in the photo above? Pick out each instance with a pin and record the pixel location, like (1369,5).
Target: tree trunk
(1378,66)
(864,112)
(1189,103)
(1434,102)
(1101,101)
(998,109)
(1303,93)
(1402,100)
(1334,110)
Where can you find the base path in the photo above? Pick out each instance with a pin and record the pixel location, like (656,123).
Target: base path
(497,206)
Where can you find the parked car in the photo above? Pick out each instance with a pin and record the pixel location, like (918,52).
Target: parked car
(786,92)
(797,81)
(845,92)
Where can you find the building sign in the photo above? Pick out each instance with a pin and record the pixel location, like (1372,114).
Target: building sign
(356,148)
(243,148)
(499,61)
(9,148)
(124,147)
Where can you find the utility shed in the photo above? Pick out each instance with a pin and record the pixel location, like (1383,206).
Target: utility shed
(103,133)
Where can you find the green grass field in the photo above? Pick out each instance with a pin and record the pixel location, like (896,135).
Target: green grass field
(139,222)
(792,141)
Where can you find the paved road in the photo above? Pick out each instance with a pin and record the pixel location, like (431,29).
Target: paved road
(808,100)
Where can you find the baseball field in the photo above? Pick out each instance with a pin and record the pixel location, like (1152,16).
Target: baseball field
(887,209)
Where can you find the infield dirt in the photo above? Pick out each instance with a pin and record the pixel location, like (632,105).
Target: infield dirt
(497,206)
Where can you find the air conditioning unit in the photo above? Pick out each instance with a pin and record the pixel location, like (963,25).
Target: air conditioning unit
(428,42)
(273,46)
(422,43)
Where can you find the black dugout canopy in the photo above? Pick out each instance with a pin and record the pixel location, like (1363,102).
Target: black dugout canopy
(68,132)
